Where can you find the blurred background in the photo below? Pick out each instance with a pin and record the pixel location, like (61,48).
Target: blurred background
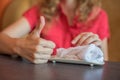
(11,10)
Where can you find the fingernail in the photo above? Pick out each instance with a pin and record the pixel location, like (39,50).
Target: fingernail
(42,20)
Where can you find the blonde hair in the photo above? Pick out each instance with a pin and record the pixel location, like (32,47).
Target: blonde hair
(85,7)
(49,8)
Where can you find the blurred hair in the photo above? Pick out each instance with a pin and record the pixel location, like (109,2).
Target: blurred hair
(49,8)
(85,7)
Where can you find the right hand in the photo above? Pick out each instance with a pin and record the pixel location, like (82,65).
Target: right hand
(34,48)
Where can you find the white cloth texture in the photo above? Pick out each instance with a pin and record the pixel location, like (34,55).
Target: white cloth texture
(88,53)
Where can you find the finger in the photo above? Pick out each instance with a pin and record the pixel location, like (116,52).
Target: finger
(43,50)
(42,56)
(76,39)
(36,60)
(83,38)
(90,39)
(47,43)
(39,61)
(97,43)
(38,29)
(37,56)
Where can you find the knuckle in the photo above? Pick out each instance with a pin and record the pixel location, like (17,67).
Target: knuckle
(83,38)
(87,41)
(100,41)
(88,34)
(96,36)
(93,37)
(36,49)
(34,56)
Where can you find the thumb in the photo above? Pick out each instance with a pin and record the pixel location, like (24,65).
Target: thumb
(41,26)
(38,29)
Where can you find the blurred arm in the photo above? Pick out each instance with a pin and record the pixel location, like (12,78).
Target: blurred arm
(7,44)
(18,29)
(104,48)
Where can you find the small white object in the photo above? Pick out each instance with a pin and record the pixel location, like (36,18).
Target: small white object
(54,61)
(91,65)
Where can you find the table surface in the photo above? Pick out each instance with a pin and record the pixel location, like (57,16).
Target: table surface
(16,69)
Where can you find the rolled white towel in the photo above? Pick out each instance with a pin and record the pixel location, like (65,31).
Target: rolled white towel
(88,53)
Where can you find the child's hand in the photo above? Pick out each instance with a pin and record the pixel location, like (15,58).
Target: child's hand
(34,48)
(87,38)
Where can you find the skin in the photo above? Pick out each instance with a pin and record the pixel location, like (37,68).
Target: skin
(86,37)
(33,46)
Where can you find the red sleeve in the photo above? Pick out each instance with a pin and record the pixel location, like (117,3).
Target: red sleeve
(103,30)
(32,15)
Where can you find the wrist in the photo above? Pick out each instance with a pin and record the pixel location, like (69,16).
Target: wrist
(7,44)
(16,47)
(13,46)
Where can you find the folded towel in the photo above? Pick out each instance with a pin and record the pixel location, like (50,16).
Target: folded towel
(88,53)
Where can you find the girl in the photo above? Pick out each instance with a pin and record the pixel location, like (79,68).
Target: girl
(68,23)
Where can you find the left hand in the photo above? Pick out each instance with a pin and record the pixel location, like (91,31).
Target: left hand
(87,38)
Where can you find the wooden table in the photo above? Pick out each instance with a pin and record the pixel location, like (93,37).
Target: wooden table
(16,69)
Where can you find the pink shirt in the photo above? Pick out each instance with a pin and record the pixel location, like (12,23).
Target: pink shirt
(62,34)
